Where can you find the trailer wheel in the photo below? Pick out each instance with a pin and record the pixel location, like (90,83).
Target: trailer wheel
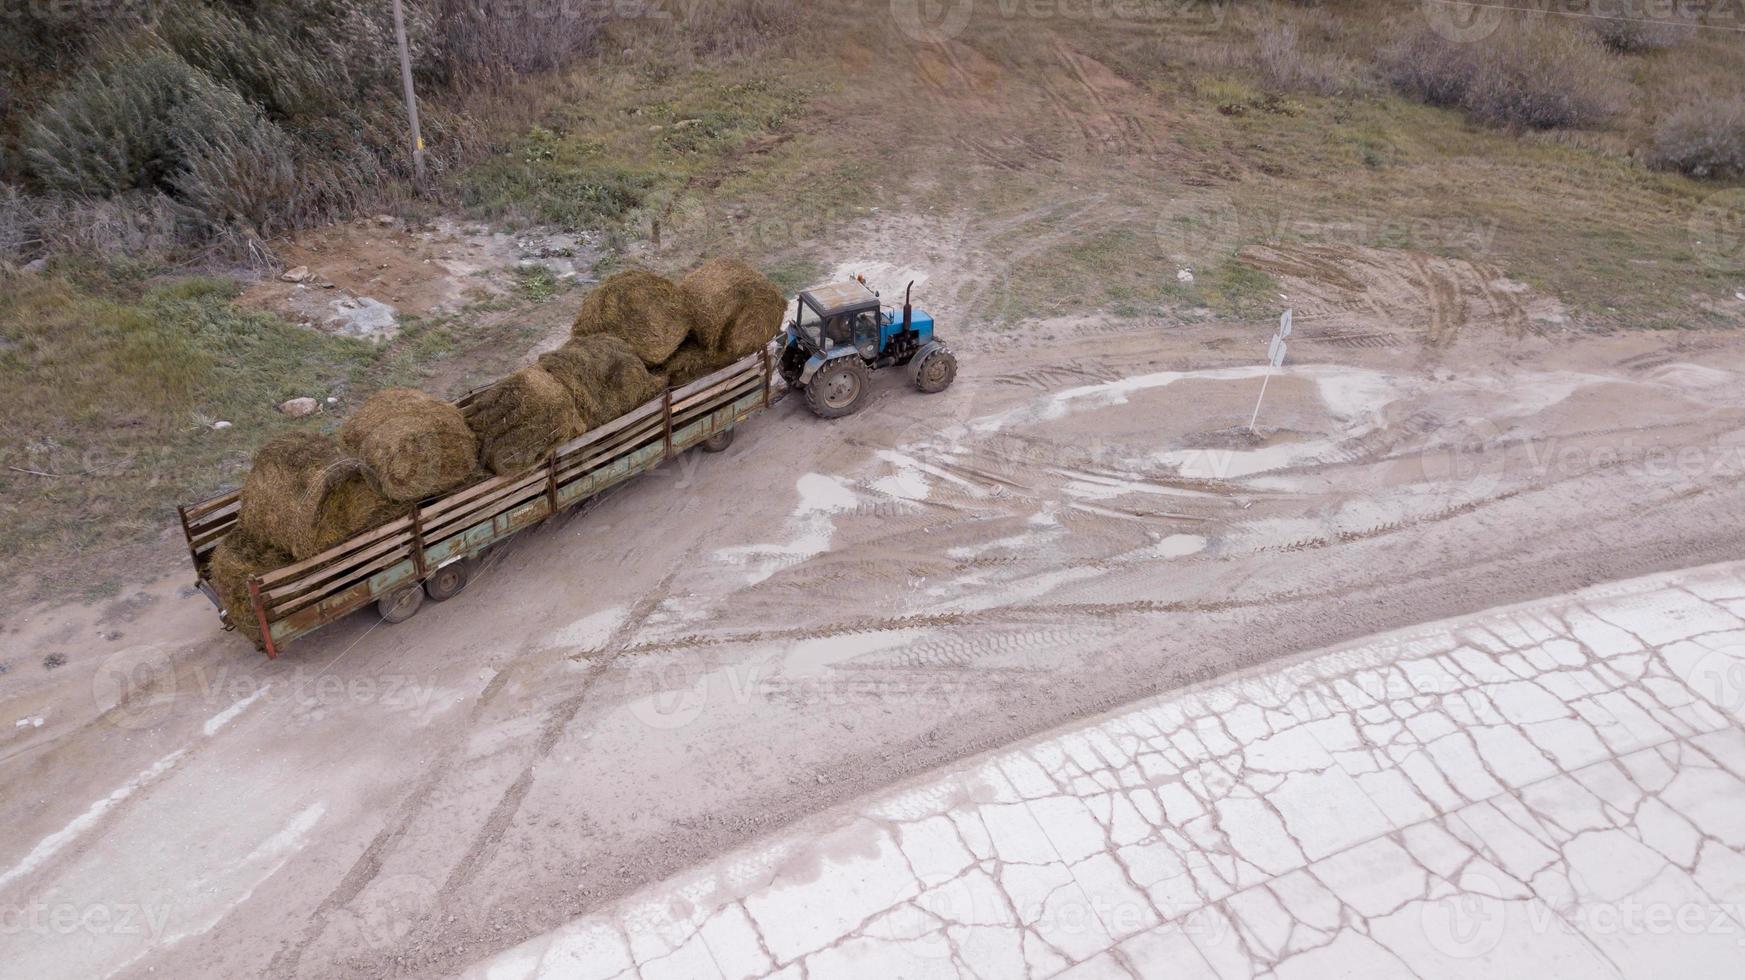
(400,604)
(718,442)
(448,581)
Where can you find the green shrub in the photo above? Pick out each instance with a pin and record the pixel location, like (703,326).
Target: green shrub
(104,132)
(1706,139)
(149,121)
(278,73)
(237,169)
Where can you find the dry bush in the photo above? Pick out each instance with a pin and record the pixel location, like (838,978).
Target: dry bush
(21,224)
(1289,62)
(1530,74)
(1705,139)
(1636,35)
(736,27)
(143,225)
(487,40)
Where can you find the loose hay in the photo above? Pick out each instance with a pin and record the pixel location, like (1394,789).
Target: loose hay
(736,308)
(416,444)
(604,377)
(521,418)
(643,309)
(232,563)
(305,494)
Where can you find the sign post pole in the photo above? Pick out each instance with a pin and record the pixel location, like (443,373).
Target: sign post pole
(1275,358)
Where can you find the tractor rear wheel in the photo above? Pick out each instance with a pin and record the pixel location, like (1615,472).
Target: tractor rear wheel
(839,388)
(935,372)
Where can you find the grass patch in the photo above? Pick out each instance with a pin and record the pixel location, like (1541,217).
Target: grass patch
(108,404)
(624,150)
(1601,232)
(536,283)
(1230,288)
(110,388)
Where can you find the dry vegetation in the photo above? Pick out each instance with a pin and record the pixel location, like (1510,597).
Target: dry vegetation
(1533,75)
(1570,151)
(211,126)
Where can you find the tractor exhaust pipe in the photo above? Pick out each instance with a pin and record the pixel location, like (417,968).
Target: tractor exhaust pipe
(908,310)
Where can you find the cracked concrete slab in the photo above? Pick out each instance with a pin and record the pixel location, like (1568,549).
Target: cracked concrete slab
(1554,789)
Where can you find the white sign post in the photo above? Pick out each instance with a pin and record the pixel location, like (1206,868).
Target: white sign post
(1275,358)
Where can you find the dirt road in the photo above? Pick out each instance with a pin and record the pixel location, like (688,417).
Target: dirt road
(714,651)
(1528,791)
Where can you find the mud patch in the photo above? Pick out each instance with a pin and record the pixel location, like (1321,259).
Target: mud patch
(359,279)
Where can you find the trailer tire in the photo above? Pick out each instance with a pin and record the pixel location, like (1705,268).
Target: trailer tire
(718,442)
(447,582)
(401,604)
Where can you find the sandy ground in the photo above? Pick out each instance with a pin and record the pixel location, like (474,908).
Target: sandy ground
(740,640)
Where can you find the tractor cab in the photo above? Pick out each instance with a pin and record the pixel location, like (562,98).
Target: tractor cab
(841,331)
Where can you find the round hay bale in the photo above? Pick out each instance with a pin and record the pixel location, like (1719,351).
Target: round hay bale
(416,444)
(351,507)
(644,310)
(691,362)
(604,377)
(305,494)
(232,563)
(520,419)
(736,308)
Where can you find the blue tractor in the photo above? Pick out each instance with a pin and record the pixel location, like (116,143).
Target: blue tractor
(840,334)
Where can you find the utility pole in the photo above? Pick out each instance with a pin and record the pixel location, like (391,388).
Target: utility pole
(411,96)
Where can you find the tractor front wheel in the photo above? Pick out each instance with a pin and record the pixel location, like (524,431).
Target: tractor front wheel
(935,372)
(839,388)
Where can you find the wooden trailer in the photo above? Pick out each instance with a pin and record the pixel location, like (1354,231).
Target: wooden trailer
(428,551)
